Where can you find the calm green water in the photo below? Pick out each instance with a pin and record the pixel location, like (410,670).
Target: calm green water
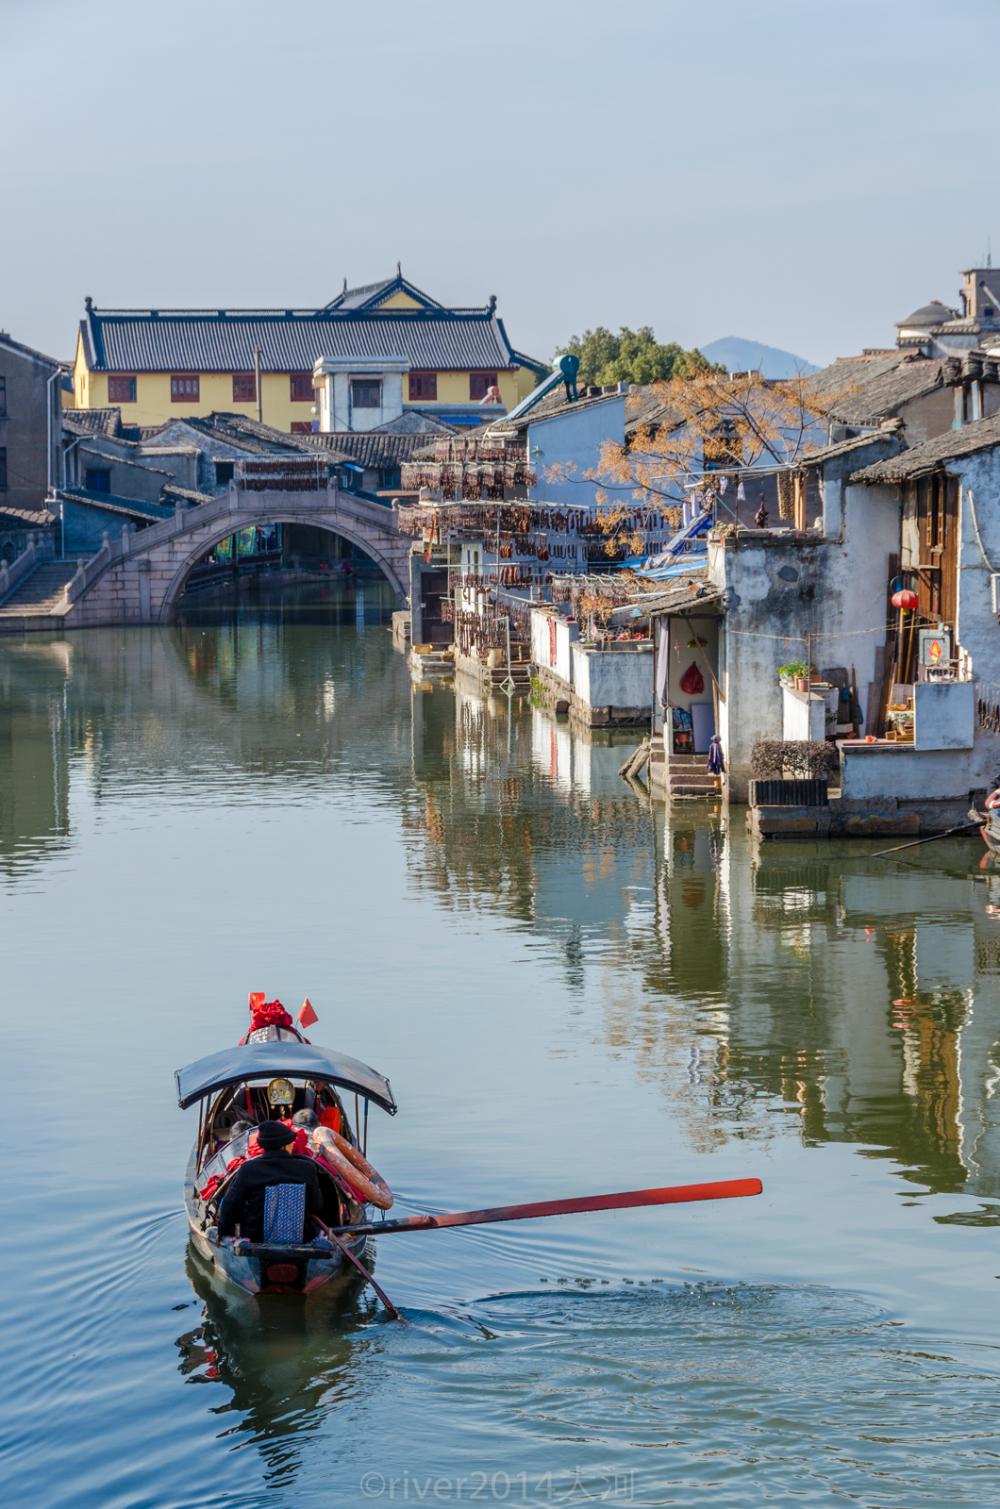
(570,993)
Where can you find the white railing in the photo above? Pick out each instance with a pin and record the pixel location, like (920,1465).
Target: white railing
(12,574)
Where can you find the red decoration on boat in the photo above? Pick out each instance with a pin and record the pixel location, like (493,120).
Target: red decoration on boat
(692,682)
(306,1014)
(270,1014)
(256,998)
(905,600)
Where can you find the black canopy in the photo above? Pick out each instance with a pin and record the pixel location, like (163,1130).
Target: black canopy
(267,1060)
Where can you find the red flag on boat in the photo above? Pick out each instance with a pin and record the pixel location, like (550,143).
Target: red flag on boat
(255,999)
(306,1014)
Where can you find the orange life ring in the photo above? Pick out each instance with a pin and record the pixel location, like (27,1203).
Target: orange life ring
(353,1164)
(993,800)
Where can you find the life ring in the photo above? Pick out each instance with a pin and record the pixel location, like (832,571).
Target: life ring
(993,800)
(353,1165)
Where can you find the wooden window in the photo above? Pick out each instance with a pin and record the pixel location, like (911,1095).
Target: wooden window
(3,398)
(97,479)
(302,427)
(423,385)
(244,387)
(480,384)
(3,467)
(366,392)
(185,389)
(121,389)
(301,387)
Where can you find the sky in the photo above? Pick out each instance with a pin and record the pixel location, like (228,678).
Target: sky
(800,172)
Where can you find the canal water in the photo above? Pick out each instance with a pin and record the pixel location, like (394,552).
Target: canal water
(571,992)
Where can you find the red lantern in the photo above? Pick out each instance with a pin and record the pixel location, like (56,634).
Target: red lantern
(905,600)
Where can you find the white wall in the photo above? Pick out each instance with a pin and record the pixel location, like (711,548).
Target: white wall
(570,442)
(614,678)
(566,634)
(781,590)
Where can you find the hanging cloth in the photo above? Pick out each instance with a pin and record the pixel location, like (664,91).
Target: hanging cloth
(716,763)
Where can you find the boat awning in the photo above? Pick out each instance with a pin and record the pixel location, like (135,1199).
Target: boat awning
(248,1061)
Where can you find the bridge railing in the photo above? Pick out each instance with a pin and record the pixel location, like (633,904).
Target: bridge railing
(327,499)
(41,547)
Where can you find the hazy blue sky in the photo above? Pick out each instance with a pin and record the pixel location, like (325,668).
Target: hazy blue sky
(802,172)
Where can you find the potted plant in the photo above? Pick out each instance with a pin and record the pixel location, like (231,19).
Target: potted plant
(796,674)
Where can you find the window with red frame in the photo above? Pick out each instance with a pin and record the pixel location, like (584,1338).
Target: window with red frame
(480,384)
(423,385)
(301,384)
(185,389)
(301,426)
(121,390)
(244,387)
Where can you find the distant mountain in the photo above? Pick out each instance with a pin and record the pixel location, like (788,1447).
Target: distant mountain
(739,355)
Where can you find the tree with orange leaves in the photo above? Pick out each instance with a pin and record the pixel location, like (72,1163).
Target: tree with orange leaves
(685,435)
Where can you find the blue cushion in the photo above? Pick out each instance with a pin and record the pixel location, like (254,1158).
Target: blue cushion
(284,1212)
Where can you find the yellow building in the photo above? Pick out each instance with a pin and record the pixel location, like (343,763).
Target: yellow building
(156,364)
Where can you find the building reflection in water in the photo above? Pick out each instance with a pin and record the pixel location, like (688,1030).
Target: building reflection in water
(856,998)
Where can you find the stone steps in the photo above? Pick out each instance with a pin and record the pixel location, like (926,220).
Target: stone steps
(42,594)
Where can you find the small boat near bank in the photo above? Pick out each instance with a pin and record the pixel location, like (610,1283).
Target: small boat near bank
(276,1074)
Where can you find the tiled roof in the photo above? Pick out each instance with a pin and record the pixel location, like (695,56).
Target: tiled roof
(370,295)
(29,351)
(888,435)
(548,407)
(929,315)
(372,448)
(134,508)
(876,387)
(980,435)
(186,494)
(205,340)
(93,421)
(25,518)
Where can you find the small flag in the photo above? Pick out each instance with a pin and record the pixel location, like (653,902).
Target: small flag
(306,1014)
(256,999)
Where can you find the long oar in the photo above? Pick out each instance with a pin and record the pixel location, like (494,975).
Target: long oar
(369,1278)
(916,842)
(677,1194)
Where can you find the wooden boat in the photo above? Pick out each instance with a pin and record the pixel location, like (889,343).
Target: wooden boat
(989,821)
(274,1073)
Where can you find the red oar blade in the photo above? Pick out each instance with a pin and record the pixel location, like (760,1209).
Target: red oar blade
(676,1194)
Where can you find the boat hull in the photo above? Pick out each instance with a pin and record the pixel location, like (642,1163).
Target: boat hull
(259,1268)
(989,828)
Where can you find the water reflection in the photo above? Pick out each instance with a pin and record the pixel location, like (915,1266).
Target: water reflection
(278,1369)
(768,989)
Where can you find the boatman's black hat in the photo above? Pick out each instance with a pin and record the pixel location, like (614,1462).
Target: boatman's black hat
(274,1134)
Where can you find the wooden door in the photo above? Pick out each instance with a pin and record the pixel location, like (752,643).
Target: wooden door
(937,522)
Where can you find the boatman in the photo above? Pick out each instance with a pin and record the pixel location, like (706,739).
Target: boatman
(243,1204)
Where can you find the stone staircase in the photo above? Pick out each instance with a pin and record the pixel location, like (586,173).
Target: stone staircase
(688,780)
(41,596)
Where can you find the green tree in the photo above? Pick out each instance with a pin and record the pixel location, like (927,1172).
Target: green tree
(633,356)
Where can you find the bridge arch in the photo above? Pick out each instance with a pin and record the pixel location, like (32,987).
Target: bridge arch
(139,578)
(208,540)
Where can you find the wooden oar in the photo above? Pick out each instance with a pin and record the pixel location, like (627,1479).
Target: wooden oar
(677,1194)
(369,1278)
(916,842)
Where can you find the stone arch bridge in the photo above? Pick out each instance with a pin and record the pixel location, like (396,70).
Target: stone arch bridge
(138,578)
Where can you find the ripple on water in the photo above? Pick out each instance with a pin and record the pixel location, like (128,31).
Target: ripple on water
(764,1392)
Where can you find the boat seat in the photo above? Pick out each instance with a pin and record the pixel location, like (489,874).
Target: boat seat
(284,1212)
